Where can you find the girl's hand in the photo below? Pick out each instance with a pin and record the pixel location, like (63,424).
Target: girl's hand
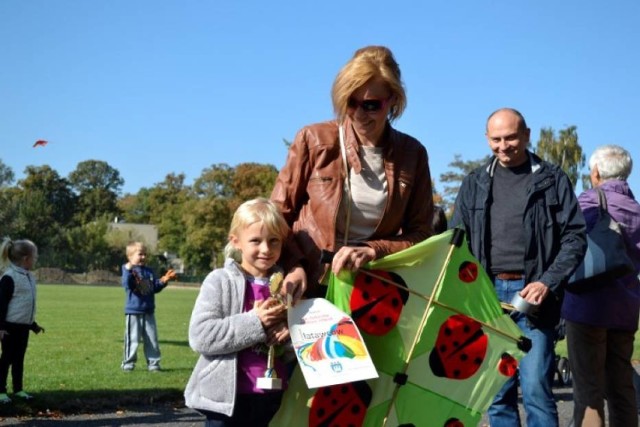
(351,258)
(269,311)
(277,334)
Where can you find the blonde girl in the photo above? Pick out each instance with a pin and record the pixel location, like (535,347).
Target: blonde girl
(17,312)
(234,318)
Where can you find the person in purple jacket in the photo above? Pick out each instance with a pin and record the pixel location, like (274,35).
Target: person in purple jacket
(601,322)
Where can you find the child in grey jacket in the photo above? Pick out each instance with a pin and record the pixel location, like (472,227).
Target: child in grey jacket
(235,318)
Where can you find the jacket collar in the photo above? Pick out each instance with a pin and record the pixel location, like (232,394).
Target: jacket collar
(353,147)
(536,163)
(18,269)
(617,186)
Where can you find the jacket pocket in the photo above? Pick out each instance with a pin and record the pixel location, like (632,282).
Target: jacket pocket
(321,188)
(211,380)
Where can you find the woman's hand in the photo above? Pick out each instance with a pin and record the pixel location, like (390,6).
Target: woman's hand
(295,283)
(351,258)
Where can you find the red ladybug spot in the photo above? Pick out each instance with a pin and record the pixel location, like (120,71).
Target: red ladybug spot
(340,405)
(468,272)
(507,365)
(375,304)
(453,422)
(460,348)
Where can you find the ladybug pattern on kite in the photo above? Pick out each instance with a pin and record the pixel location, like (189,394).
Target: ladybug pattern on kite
(375,304)
(340,405)
(460,348)
(507,365)
(468,272)
(453,422)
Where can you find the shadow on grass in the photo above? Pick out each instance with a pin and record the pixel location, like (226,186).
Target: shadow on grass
(54,405)
(180,343)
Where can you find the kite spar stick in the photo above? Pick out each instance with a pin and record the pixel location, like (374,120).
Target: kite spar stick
(401,379)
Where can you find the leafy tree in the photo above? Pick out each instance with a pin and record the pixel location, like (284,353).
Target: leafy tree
(207,225)
(135,207)
(214,181)
(437,197)
(252,180)
(44,207)
(98,186)
(6,175)
(9,211)
(564,151)
(166,204)
(91,249)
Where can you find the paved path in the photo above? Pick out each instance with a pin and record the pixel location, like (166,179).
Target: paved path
(167,416)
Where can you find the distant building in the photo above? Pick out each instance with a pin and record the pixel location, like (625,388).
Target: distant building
(146,233)
(124,232)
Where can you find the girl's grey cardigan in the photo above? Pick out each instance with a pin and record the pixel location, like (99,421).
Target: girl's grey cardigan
(218,330)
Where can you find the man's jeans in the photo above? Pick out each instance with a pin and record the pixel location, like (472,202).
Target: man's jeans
(536,371)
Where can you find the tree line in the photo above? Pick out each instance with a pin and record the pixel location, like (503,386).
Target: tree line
(68,217)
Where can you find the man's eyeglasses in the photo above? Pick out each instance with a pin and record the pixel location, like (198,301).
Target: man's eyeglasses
(368,105)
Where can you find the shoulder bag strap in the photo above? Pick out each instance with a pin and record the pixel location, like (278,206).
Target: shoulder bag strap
(347,183)
(602,202)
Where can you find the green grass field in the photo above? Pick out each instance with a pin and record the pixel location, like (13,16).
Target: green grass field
(75,364)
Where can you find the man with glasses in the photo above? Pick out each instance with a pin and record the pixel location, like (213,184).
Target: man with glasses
(524,225)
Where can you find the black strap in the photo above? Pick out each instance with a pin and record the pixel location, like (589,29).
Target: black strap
(602,201)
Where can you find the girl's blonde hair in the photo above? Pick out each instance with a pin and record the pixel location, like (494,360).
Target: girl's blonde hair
(368,63)
(252,211)
(13,251)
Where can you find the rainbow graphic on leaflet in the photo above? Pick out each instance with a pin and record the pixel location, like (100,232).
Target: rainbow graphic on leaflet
(341,341)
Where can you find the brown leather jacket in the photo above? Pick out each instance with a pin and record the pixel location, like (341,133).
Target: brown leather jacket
(309,189)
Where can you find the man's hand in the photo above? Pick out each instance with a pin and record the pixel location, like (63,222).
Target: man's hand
(37,329)
(535,292)
(3,334)
(295,283)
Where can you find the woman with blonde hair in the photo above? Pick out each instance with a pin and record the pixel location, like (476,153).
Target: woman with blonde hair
(355,185)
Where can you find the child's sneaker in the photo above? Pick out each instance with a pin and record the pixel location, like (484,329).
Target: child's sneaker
(23,395)
(4,398)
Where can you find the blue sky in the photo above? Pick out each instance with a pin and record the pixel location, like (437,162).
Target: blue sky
(153,87)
